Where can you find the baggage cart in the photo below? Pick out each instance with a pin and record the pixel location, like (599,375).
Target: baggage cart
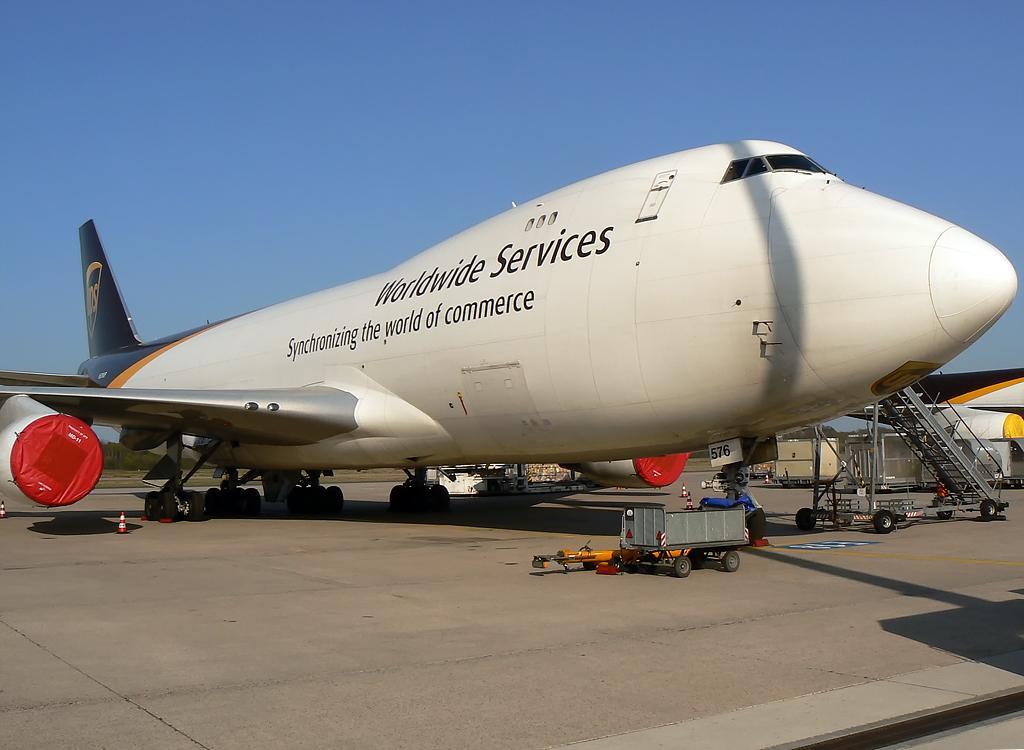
(654,540)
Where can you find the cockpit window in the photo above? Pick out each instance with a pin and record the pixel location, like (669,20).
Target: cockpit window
(793,162)
(756,166)
(735,170)
(775,163)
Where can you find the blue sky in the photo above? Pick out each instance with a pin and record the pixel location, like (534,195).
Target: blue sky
(238,154)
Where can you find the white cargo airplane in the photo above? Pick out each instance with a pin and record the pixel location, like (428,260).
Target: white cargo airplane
(711,296)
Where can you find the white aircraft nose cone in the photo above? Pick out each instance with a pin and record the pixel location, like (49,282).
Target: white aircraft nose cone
(972,283)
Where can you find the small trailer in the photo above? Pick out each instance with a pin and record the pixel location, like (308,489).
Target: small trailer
(654,540)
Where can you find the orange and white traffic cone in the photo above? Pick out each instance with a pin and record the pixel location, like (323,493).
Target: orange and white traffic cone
(3,510)
(122,527)
(685,493)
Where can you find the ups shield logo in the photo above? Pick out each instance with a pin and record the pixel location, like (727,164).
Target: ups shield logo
(92,294)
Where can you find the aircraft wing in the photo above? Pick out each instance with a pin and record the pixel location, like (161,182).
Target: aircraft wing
(278,416)
(8,377)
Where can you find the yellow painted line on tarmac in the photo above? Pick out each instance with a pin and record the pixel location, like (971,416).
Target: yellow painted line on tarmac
(900,556)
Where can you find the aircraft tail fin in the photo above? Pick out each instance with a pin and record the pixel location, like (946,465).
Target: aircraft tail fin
(964,387)
(108,324)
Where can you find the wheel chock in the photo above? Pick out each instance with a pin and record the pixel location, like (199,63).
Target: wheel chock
(608,569)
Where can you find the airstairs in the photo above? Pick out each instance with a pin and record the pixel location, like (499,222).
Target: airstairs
(939,442)
(945,446)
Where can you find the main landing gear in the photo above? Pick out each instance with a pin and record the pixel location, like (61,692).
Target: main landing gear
(231,498)
(415,495)
(173,502)
(309,496)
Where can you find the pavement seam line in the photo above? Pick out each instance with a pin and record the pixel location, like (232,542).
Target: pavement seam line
(103,685)
(912,556)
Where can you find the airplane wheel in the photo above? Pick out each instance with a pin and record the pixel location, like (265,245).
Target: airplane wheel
(214,500)
(438,497)
(168,506)
(196,507)
(152,506)
(681,567)
(757,524)
(731,561)
(805,520)
(884,522)
(253,501)
(335,499)
(297,503)
(400,497)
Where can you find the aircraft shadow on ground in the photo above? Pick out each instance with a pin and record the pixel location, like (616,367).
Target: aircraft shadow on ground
(597,515)
(971,628)
(78,523)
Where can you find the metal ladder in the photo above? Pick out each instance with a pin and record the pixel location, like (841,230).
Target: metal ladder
(932,436)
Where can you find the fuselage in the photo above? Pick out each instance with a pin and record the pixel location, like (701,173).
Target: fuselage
(647,310)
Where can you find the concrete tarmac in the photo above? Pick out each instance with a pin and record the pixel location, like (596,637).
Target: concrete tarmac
(433,630)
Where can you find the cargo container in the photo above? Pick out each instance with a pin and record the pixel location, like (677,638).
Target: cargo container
(795,464)
(899,468)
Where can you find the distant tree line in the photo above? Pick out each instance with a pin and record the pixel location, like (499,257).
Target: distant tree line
(116,456)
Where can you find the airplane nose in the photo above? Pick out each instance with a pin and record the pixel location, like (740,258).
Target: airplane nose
(972,283)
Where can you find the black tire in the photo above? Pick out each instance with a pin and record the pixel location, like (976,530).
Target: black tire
(297,503)
(681,566)
(234,501)
(253,501)
(168,506)
(152,506)
(438,497)
(805,519)
(944,514)
(590,566)
(884,522)
(335,499)
(757,524)
(731,561)
(196,507)
(988,510)
(213,501)
(399,499)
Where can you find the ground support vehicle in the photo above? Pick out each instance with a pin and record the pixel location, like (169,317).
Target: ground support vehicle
(886,514)
(653,540)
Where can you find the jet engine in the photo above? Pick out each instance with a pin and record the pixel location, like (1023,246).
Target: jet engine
(52,459)
(636,473)
(987,425)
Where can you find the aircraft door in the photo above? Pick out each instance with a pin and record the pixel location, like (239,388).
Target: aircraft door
(498,393)
(656,196)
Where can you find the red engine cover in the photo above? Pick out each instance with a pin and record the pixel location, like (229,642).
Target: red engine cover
(661,471)
(57,460)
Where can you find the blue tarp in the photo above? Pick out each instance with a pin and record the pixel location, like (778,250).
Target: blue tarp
(724,502)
